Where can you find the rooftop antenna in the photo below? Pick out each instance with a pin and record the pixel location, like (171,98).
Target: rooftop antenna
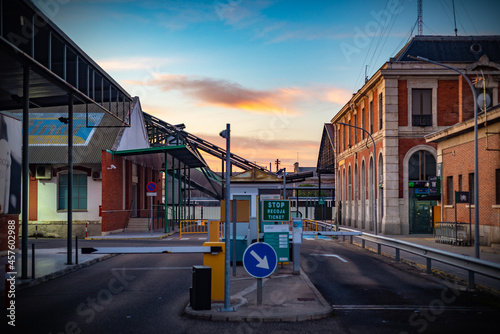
(419,19)
(454,17)
(366,76)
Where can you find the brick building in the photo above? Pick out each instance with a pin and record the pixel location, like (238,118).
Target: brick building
(402,103)
(455,146)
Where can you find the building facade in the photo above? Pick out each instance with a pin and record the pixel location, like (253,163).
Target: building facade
(455,146)
(383,160)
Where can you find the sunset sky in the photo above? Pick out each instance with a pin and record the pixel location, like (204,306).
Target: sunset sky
(275,70)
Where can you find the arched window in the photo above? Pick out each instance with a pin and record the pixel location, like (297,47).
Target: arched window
(422,164)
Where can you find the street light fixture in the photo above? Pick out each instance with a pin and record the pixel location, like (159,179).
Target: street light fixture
(227,290)
(476,159)
(375,227)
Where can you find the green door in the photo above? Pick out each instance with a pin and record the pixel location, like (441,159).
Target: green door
(420,215)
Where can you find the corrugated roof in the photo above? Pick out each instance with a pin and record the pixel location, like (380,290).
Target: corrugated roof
(326,155)
(48,136)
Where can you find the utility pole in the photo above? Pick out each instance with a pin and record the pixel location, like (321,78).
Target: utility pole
(277,165)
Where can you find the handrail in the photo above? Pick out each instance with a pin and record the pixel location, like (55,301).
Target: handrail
(128,215)
(472,265)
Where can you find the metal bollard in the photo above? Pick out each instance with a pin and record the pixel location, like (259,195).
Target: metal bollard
(32,261)
(76,249)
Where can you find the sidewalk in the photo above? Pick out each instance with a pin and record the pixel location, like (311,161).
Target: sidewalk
(486,253)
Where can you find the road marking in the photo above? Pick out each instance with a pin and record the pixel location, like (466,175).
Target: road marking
(184,238)
(202,238)
(331,255)
(415,308)
(154,268)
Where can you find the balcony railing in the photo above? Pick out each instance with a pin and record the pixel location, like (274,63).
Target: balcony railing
(422,120)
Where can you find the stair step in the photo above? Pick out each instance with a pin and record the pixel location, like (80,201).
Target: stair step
(138,225)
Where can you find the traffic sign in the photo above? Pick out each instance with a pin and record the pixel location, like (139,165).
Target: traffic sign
(260,260)
(275,210)
(151,187)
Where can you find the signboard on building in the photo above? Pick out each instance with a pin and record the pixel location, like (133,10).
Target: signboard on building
(462,197)
(434,186)
(275,210)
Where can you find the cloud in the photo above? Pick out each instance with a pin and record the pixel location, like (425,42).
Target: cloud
(221,93)
(225,93)
(135,63)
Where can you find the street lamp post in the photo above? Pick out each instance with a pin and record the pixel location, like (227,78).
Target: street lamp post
(374,176)
(476,159)
(227,289)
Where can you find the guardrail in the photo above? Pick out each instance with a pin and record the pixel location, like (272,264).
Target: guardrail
(471,265)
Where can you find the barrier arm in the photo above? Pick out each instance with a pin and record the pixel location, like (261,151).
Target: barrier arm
(151,250)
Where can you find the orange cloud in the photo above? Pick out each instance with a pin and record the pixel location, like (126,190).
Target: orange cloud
(227,94)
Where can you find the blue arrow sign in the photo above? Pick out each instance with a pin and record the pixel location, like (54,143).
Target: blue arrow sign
(260,260)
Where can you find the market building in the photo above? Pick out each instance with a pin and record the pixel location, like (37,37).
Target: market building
(383,160)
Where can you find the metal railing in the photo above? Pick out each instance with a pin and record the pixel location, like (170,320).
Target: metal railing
(471,265)
(192,226)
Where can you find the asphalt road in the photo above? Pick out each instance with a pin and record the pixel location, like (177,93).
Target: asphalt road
(147,294)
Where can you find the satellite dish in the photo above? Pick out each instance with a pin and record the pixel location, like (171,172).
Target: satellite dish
(483,100)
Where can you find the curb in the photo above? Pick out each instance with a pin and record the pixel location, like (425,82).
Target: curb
(27,283)
(253,317)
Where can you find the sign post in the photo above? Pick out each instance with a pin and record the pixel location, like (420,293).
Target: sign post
(297,241)
(463,197)
(151,188)
(260,260)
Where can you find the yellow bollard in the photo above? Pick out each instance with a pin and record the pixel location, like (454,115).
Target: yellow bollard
(216,262)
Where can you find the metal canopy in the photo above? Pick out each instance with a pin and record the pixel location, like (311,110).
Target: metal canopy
(57,66)
(160,132)
(179,152)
